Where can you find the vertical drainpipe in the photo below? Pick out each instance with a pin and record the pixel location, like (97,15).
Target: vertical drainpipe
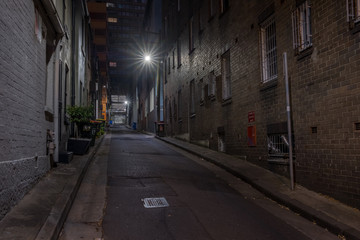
(56,103)
(288,111)
(73,60)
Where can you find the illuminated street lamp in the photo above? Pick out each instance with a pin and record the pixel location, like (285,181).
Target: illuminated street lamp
(147,58)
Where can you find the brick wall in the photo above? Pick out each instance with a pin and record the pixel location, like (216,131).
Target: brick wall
(23,126)
(324,83)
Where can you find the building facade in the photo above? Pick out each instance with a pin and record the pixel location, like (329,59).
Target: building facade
(224,85)
(45,67)
(149,78)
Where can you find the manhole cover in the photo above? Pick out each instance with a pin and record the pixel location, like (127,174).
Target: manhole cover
(155,202)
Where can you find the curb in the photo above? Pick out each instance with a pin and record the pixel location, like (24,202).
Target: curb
(305,211)
(56,219)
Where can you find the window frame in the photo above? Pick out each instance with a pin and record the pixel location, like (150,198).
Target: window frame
(278,145)
(268,47)
(211,9)
(191,35)
(224,6)
(226,75)
(192,98)
(353,11)
(302,27)
(179,106)
(211,85)
(178,47)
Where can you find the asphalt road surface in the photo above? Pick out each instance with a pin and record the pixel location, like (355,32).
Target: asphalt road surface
(139,188)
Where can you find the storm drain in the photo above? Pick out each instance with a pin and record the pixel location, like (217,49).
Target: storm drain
(155,202)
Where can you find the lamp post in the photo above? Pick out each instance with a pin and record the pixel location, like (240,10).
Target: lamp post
(156,97)
(126,112)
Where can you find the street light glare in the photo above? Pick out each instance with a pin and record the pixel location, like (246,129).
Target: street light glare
(147,58)
(126,102)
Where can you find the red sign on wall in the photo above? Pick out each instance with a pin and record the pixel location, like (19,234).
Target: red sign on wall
(251,116)
(251,136)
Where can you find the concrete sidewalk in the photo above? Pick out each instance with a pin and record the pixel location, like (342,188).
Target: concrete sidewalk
(42,212)
(338,218)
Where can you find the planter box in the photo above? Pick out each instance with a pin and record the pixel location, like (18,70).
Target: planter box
(79,146)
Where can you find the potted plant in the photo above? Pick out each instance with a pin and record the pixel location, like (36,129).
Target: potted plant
(81,116)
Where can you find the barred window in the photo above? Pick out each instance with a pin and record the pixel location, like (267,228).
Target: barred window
(268,50)
(301,21)
(353,10)
(278,146)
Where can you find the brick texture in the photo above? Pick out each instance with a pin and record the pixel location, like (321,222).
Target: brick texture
(23,126)
(325,89)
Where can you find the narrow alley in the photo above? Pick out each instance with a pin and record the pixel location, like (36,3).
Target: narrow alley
(204,202)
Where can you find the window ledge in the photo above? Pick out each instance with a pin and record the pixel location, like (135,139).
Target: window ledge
(269,84)
(212,97)
(227,101)
(306,52)
(278,160)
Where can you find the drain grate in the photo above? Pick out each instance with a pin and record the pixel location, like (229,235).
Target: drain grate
(155,202)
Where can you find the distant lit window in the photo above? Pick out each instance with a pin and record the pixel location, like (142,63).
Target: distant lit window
(353,10)
(110,5)
(112,20)
(112,64)
(301,20)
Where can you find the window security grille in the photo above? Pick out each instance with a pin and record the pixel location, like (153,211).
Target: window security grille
(353,10)
(301,21)
(268,50)
(278,146)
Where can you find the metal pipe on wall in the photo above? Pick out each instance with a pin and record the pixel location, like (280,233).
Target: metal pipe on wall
(288,111)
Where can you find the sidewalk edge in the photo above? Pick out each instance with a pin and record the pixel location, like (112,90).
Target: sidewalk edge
(307,212)
(56,219)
